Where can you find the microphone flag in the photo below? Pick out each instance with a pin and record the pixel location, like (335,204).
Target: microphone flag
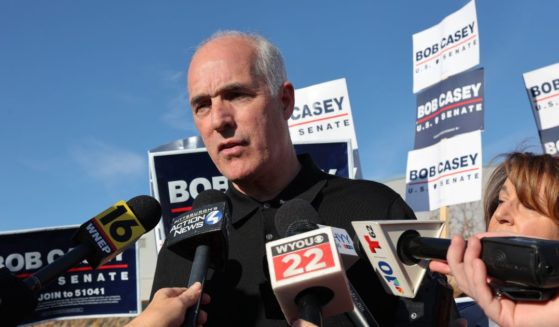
(306,260)
(379,240)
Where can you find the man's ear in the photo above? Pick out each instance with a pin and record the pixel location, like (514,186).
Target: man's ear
(287,97)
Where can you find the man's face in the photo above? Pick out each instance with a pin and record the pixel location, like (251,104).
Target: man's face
(241,124)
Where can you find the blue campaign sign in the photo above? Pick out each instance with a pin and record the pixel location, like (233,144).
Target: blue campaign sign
(178,176)
(110,290)
(451,107)
(550,140)
(331,157)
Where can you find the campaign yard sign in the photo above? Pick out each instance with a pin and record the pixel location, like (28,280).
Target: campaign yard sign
(448,48)
(323,112)
(178,176)
(542,86)
(111,290)
(451,107)
(446,173)
(550,140)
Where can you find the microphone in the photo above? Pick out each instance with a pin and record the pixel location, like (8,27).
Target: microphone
(527,268)
(344,243)
(98,241)
(380,241)
(522,268)
(201,235)
(426,299)
(306,272)
(103,237)
(360,315)
(16,299)
(412,247)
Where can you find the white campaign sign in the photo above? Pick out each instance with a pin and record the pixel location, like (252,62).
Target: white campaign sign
(448,48)
(543,90)
(446,173)
(322,111)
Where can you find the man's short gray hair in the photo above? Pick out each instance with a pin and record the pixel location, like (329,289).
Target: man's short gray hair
(269,61)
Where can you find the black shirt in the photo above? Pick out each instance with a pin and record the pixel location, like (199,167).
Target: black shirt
(241,292)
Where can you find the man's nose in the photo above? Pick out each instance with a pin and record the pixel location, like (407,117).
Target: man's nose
(222,116)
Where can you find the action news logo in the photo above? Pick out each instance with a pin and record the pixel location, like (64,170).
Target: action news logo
(193,221)
(302,256)
(213,217)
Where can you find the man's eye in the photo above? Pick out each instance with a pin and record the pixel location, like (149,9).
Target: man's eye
(236,96)
(201,108)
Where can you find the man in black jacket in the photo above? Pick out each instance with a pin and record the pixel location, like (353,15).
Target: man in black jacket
(241,101)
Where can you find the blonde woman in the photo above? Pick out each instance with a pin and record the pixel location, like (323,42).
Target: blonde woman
(521,199)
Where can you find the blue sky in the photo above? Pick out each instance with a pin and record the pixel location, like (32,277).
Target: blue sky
(88,87)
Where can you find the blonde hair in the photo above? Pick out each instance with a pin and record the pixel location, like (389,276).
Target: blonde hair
(535,178)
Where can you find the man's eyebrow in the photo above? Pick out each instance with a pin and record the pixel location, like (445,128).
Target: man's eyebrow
(233,87)
(197,99)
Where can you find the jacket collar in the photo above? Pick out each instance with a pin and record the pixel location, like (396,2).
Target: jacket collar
(306,185)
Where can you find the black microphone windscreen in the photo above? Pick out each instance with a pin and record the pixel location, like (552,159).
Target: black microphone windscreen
(17,301)
(147,209)
(296,216)
(209,197)
(300,226)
